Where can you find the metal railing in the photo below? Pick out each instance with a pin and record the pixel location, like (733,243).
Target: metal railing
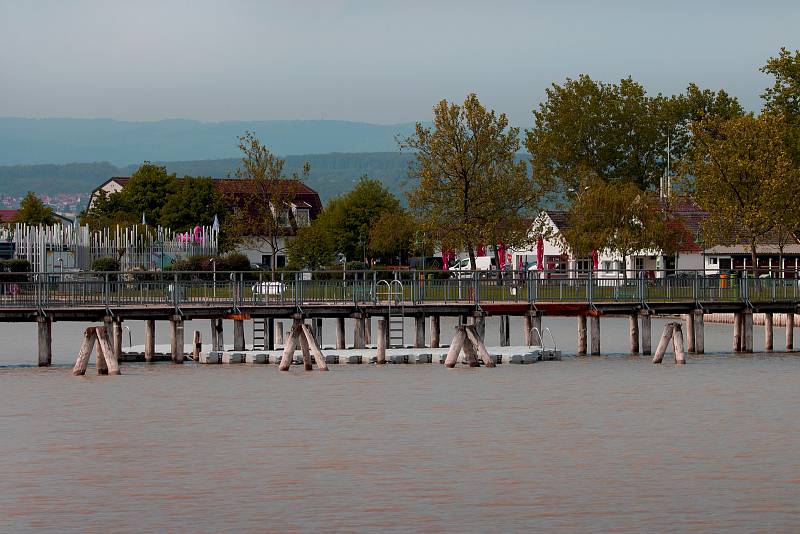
(247,289)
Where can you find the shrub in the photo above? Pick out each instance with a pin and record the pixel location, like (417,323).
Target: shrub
(105,265)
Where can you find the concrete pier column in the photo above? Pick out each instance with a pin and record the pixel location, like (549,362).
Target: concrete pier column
(737,332)
(699,332)
(527,333)
(581,348)
(217,341)
(358,335)
(505,335)
(383,334)
(238,334)
(45,338)
(176,341)
(419,337)
(690,337)
(768,331)
(317,330)
(790,332)
(150,339)
(647,334)
(435,331)
(748,331)
(270,334)
(197,345)
(368,331)
(279,338)
(340,339)
(633,326)
(595,327)
(117,338)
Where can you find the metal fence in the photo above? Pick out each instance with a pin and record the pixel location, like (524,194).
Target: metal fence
(238,289)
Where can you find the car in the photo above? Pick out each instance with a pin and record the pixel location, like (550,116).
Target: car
(268,288)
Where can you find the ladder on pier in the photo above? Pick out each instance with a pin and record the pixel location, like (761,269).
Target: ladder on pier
(260,334)
(395,299)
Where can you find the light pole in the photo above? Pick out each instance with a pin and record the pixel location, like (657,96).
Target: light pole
(214,269)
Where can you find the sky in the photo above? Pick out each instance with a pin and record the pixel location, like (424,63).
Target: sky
(367,60)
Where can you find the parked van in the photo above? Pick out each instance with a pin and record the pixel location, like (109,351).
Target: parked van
(482,263)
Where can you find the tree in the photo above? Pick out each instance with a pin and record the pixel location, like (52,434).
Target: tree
(742,174)
(312,248)
(784,95)
(616,132)
(32,211)
(263,199)
(392,235)
(195,202)
(470,189)
(147,192)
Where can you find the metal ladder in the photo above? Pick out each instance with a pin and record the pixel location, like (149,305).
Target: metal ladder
(259,334)
(396,306)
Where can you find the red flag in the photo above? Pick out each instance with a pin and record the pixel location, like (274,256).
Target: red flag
(540,254)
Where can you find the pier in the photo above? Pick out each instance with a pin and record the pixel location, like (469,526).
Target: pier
(109,299)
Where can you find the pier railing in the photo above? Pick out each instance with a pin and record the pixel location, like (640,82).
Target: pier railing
(247,289)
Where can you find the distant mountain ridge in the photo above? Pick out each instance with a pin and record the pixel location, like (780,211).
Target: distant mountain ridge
(60,141)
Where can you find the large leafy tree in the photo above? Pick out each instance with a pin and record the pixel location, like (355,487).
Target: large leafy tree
(147,192)
(32,211)
(470,189)
(742,174)
(784,96)
(262,197)
(195,202)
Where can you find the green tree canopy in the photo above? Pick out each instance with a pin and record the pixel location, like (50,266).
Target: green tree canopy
(195,202)
(784,96)
(32,211)
(147,192)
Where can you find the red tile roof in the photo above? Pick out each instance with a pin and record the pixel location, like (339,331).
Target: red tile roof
(7,215)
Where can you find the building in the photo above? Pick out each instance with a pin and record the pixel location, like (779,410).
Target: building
(8,216)
(110,186)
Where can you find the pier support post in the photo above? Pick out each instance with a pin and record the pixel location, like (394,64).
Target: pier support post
(738,320)
(110,362)
(197,346)
(595,326)
(176,341)
(419,337)
(117,338)
(699,332)
(340,339)
(768,331)
(789,332)
(45,327)
(149,340)
(677,345)
(633,324)
(581,349)
(480,325)
(647,334)
(663,343)
(690,333)
(455,346)
(382,335)
(528,326)
(279,339)
(505,334)
(435,331)
(367,331)
(238,334)
(358,334)
(270,334)
(82,362)
(748,331)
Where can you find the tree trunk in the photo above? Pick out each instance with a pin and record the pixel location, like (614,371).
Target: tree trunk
(497,263)
(471,251)
(753,257)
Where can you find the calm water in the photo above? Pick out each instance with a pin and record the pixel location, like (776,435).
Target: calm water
(585,444)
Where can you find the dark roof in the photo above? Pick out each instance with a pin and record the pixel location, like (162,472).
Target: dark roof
(559,218)
(305,195)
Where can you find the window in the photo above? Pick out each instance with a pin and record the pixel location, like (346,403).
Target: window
(638,264)
(266,260)
(302,217)
(584,264)
(281,261)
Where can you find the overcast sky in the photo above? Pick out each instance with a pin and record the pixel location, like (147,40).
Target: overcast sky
(367,60)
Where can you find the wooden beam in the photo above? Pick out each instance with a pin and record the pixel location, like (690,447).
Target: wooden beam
(85,352)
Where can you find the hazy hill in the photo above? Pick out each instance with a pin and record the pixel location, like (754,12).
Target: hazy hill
(33,141)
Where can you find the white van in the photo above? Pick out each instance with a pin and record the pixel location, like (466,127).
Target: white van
(482,263)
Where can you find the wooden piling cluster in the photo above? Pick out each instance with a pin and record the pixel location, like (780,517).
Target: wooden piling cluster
(672,333)
(301,335)
(466,339)
(107,361)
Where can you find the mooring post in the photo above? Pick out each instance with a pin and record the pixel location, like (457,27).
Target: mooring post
(748,331)
(688,318)
(478,345)
(149,339)
(633,326)
(110,360)
(176,341)
(45,327)
(340,339)
(647,334)
(789,332)
(82,362)
(455,346)
(581,350)
(699,332)
(358,333)
(435,326)
(528,333)
(304,343)
(100,361)
(768,331)
(419,337)
(380,356)
(677,345)
(289,346)
(197,346)
(738,320)
(663,343)
(117,338)
(319,358)
(279,338)
(595,326)
(238,334)
(367,331)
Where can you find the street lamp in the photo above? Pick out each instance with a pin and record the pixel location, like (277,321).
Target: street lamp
(214,269)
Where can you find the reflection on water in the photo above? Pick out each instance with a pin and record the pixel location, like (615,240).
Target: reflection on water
(598,444)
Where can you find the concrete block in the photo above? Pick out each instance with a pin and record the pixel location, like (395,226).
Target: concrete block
(529,357)
(210,357)
(233,357)
(422,358)
(257,357)
(331,358)
(397,358)
(516,358)
(354,359)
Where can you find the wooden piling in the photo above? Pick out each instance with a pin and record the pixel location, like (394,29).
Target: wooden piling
(238,334)
(480,325)
(279,333)
(581,350)
(528,330)
(663,343)
(789,332)
(747,334)
(677,345)
(149,339)
(218,329)
(358,334)
(85,352)
(595,326)
(380,356)
(647,334)
(419,337)
(505,334)
(367,331)
(322,365)
(100,360)
(690,334)
(117,338)
(304,345)
(699,332)
(176,341)
(633,325)
(197,346)
(45,338)
(479,345)
(435,331)
(768,333)
(108,351)
(455,347)
(737,332)
(470,354)
(340,339)
(288,349)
